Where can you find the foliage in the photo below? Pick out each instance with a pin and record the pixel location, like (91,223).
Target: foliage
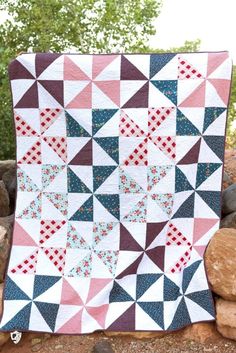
(231,128)
(93,26)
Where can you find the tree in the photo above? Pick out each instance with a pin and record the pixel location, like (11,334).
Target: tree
(93,26)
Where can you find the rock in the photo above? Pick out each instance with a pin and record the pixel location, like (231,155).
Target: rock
(4,250)
(229,221)
(220,263)
(226,318)
(103,347)
(4,200)
(1,296)
(227,181)
(7,222)
(229,199)
(37,347)
(35,341)
(202,332)
(137,335)
(9,179)
(6,165)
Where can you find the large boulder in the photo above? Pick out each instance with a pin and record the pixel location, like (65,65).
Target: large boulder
(137,335)
(4,337)
(226,318)
(201,332)
(220,263)
(6,165)
(4,200)
(4,250)
(229,199)
(9,179)
(229,221)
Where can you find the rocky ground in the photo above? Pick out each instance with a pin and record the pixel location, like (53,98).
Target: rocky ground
(220,262)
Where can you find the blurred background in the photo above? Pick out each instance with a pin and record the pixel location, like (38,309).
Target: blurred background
(105,26)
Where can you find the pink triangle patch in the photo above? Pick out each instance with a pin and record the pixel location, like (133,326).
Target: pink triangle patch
(96,285)
(23,128)
(196,98)
(73,325)
(28,265)
(202,226)
(73,72)
(21,237)
(33,155)
(222,87)
(111,89)
(69,295)
(200,249)
(99,313)
(83,100)
(100,62)
(215,60)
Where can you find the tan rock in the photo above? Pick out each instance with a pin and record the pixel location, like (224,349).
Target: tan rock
(1,295)
(4,250)
(202,332)
(226,318)
(4,200)
(137,335)
(220,263)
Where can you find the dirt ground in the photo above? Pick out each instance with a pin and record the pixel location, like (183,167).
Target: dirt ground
(173,343)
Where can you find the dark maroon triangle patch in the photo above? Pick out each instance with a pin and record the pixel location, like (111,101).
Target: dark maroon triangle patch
(157,255)
(43,60)
(18,71)
(153,229)
(192,155)
(127,242)
(55,88)
(30,98)
(139,99)
(126,322)
(132,269)
(84,156)
(129,71)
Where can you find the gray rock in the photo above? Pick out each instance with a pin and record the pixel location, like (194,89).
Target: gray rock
(5,166)
(103,347)
(229,221)
(4,200)
(229,199)
(227,179)
(9,179)
(4,251)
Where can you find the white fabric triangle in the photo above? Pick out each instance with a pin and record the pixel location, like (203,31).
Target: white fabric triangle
(213,182)
(49,156)
(212,99)
(25,283)
(32,227)
(206,154)
(85,173)
(201,209)
(58,128)
(46,99)
(222,71)
(19,88)
(128,88)
(154,212)
(216,127)
(141,62)
(52,294)
(196,312)
(84,62)
(48,208)
(101,100)
(54,71)
(127,146)
(83,117)
(154,293)
(195,115)
(155,95)
(100,157)
(169,71)
(101,214)
(75,201)
(74,145)
(111,128)
(144,321)
(28,61)
(170,308)
(31,116)
(156,156)
(138,231)
(111,71)
(34,173)
(128,202)
(186,88)
(72,89)
(183,145)
(125,259)
(110,185)
(59,184)
(137,176)
(190,171)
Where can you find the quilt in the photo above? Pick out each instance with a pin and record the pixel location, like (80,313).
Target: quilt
(119,172)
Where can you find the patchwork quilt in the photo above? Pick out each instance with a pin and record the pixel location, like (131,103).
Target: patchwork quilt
(119,171)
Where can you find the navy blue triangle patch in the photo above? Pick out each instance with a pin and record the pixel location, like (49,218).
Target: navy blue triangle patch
(100,174)
(85,212)
(181,317)
(188,274)
(186,210)
(181,181)
(49,313)
(13,292)
(118,294)
(111,202)
(20,321)
(212,199)
(73,128)
(144,281)
(157,62)
(204,299)
(100,117)
(211,114)
(43,283)
(75,184)
(204,171)
(171,290)
(168,88)
(155,310)
(184,127)
(216,144)
(110,146)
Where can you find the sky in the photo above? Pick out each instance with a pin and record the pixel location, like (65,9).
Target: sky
(212,21)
